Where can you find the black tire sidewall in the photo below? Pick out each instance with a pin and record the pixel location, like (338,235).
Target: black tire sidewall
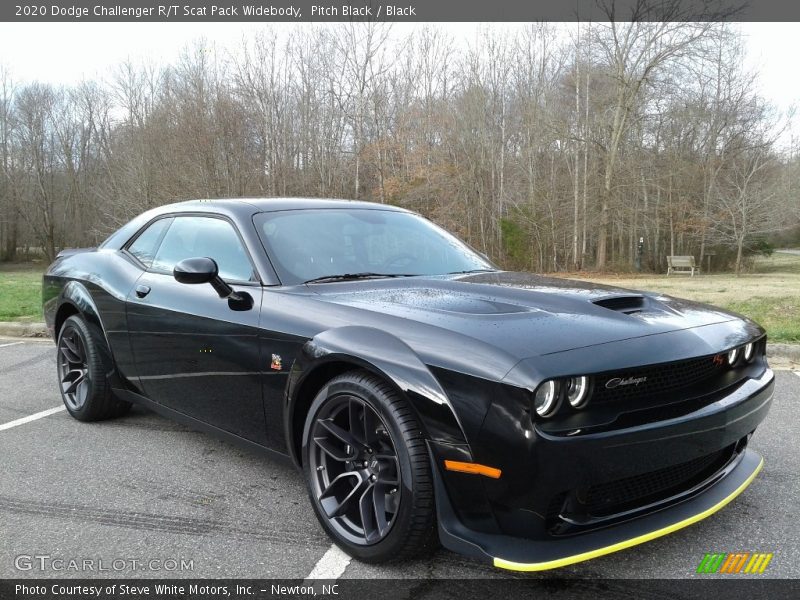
(395,541)
(99,403)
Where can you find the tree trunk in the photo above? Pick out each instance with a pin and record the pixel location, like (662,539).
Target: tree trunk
(739,252)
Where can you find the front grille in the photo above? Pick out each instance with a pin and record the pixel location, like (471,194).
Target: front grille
(615,496)
(656,380)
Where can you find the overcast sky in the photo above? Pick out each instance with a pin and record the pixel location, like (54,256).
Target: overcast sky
(66,53)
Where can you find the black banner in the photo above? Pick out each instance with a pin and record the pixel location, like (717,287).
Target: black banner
(399,10)
(531,587)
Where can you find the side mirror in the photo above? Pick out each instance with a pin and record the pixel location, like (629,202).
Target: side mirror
(196,270)
(203,270)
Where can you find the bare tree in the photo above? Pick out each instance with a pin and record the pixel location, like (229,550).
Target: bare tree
(634,51)
(9,209)
(545,151)
(744,205)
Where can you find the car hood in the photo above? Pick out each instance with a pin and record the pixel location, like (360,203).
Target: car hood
(523,314)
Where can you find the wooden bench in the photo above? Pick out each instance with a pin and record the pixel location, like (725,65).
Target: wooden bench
(681,264)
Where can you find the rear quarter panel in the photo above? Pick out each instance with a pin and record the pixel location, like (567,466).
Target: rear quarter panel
(96,283)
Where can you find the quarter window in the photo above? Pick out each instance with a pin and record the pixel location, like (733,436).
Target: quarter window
(144,247)
(191,237)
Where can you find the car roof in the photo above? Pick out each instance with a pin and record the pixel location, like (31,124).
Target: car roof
(238,209)
(255,205)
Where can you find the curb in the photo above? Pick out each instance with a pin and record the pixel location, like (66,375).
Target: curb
(22,329)
(788,351)
(38,330)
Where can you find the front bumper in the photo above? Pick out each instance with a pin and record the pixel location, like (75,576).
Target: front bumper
(507,521)
(529,555)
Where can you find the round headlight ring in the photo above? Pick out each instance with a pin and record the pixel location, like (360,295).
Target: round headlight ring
(749,352)
(733,356)
(545,398)
(578,391)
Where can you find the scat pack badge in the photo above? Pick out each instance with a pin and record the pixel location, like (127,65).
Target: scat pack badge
(276,364)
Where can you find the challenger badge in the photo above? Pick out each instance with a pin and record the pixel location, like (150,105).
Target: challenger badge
(620,381)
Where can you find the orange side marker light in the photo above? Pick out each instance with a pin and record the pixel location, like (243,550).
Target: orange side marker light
(472,468)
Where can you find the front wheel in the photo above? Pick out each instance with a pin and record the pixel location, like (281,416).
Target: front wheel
(367,469)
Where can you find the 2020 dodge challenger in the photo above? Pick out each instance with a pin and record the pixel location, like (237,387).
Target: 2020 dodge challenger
(426,395)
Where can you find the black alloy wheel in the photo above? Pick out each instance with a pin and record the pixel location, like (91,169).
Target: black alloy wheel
(73,370)
(355,469)
(84,366)
(368,470)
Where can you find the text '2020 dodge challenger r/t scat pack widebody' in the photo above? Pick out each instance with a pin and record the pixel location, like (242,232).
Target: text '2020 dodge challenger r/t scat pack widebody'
(426,395)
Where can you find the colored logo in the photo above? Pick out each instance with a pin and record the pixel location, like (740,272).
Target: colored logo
(718,360)
(276,364)
(735,562)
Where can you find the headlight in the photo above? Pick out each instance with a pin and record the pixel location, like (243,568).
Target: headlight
(578,391)
(544,400)
(733,355)
(748,352)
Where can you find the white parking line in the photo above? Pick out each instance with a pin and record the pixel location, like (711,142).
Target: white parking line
(797,373)
(28,419)
(11,344)
(331,565)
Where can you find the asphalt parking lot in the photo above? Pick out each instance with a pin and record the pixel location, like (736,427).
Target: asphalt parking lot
(143,488)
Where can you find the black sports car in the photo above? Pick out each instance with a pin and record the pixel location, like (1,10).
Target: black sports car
(529,421)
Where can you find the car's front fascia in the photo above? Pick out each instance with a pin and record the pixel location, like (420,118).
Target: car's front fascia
(546,508)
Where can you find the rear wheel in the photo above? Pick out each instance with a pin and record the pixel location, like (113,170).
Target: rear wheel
(367,469)
(83,363)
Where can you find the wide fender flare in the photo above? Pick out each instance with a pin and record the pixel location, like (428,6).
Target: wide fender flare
(390,358)
(76,294)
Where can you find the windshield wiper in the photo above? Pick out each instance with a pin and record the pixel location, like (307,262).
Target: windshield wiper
(354,276)
(473,271)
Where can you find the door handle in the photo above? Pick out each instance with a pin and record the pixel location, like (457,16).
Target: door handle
(142,290)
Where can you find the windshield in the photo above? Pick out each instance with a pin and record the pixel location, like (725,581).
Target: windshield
(313,244)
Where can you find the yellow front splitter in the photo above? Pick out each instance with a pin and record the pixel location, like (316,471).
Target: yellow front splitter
(640,539)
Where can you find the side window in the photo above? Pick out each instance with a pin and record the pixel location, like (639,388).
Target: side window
(190,237)
(144,247)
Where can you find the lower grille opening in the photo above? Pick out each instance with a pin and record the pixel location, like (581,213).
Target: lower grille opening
(623,494)
(604,500)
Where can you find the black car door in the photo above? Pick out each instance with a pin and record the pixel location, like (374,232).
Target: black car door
(195,352)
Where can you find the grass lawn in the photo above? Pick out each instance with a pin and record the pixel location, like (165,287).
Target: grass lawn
(21,292)
(770,295)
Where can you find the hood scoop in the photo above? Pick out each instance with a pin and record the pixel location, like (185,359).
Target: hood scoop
(628,305)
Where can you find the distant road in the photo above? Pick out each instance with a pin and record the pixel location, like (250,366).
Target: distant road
(795,252)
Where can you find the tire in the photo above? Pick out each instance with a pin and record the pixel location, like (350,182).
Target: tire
(83,364)
(332,466)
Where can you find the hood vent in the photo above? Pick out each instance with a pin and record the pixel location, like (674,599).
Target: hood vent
(623,304)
